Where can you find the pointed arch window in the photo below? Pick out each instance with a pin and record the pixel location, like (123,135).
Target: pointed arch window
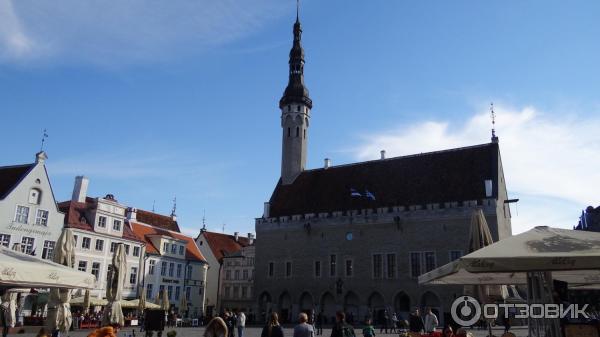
(289,132)
(297,131)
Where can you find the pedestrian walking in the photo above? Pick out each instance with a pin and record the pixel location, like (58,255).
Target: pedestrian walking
(415,323)
(240,322)
(394,323)
(319,324)
(431,321)
(303,329)
(273,328)
(368,330)
(341,328)
(216,328)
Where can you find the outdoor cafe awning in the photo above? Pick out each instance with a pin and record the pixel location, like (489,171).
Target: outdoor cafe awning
(26,271)
(572,256)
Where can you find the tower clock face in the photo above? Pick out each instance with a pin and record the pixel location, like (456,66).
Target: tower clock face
(349,236)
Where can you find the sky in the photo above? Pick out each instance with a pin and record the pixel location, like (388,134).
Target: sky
(154,100)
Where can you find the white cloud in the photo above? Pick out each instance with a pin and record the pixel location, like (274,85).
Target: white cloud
(125,31)
(550,161)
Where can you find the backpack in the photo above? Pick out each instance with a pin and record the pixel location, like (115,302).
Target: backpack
(347,331)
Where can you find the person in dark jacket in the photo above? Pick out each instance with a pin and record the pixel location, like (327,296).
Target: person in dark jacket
(341,328)
(415,322)
(273,328)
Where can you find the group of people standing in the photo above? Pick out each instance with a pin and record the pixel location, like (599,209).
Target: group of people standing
(225,325)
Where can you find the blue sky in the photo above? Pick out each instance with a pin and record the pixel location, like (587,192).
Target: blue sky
(153,100)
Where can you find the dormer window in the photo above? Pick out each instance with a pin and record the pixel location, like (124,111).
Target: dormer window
(35,196)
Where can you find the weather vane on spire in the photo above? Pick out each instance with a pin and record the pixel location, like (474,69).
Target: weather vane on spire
(44,136)
(204,219)
(297,10)
(174,206)
(493,116)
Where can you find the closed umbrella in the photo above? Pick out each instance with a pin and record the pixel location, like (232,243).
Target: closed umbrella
(165,305)
(59,309)
(9,302)
(142,301)
(86,300)
(183,304)
(113,314)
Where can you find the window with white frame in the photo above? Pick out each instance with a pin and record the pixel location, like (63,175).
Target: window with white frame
(41,217)
(99,245)
(455,254)
(236,292)
(96,269)
(35,196)
(244,292)
(228,292)
(179,266)
(126,249)
(173,249)
(113,246)
(163,268)
(288,269)
(102,221)
(188,293)
(171,269)
(189,272)
(391,265)
(116,225)
(228,275)
(151,265)
(86,243)
(48,251)
(136,251)
(377,266)
(133,275)
(177,290)
(27,245)
(181,250)
(22,214)
(149,291)
(245,274)
(430,262)
(415,264)
(237,275)
(169,292)
(166,247)
(5,240)
(82,266)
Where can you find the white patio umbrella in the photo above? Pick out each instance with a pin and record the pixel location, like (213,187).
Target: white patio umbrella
(164,304)
(9,302)
(59,309)
(113,314)
(86,300)
(18,270)
(533,258)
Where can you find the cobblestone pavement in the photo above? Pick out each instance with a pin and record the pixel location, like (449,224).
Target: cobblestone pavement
(255,332)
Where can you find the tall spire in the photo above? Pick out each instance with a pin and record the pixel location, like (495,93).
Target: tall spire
(493,116)
(296,91)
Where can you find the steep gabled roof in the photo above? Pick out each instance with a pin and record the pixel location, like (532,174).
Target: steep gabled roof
(223,244)
(157,220)
(10,176)
(435,177)
(146,232)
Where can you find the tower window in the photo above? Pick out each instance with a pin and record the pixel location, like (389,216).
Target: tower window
(297,131)
(304,133)
(289,132)
(289,108)
(298,108)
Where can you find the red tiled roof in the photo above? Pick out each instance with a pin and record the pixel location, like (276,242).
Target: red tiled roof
(75,217)
(224,244)
(145,231)
(157,220)
(10,176)
(435,177)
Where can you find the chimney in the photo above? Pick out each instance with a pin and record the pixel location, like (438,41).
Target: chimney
(80,189)
(250,238)
(327,163)
(382,154)
(40,157)
(131,213)
(267,210)
(236,236)
(488,188)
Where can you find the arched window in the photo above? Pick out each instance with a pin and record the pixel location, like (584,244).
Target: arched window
(289,108)
(35,196)
(304,133)
(289,132)
(297,131)
(298,108)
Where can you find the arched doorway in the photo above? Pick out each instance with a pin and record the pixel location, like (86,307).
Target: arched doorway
(377,308)
(306,302)
(285,307)
(351,305)
(431,300)
(328,308)
(265,306)
(402,304)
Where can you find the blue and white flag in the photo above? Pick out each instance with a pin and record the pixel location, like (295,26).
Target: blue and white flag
(369,195)
(355,193)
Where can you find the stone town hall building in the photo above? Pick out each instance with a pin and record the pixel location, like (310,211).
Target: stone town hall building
(357,236)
